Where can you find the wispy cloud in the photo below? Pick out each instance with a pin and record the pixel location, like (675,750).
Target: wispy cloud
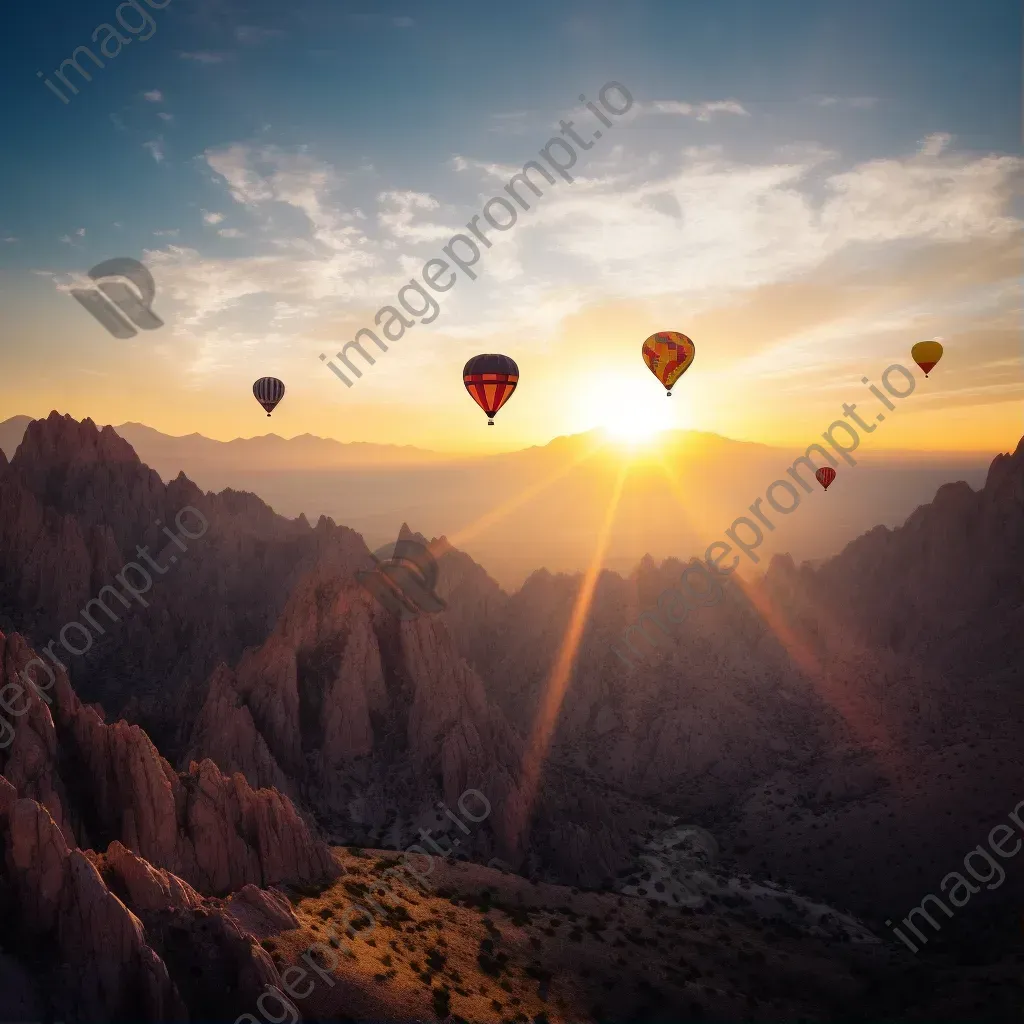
(853,102)
(164,116)
(153,96)
(204,57)
(212,218)
(155,148)
(934,144)
(68,240)
(399,212)
(701,111)
(253,35)
(169,233)
(230,233)
(704,111)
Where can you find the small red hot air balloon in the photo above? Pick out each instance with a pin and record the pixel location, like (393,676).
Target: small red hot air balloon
(825,476)
(490,380)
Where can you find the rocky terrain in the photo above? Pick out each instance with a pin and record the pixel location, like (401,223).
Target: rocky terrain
(846,732)
(110,855)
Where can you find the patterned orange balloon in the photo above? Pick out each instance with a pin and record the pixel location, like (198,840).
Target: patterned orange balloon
(668,355)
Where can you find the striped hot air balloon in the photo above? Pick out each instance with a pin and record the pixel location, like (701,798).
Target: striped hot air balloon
(825,476)
(268,391)
(490,381)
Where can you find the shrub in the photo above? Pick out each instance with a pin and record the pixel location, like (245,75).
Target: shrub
(442,999)
(489,965)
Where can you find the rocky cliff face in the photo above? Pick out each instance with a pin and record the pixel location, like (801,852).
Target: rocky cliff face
(110,937)
(126,933)
(371,722)
(945,588)
(76,505)
(102,782)
(362,714)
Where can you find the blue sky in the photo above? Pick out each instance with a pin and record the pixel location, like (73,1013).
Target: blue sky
(346,138)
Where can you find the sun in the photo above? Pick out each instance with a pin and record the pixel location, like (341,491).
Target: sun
(631,412)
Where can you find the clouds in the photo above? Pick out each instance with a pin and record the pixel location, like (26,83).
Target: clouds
(934,144)
(260,176)
(849,102)
(701,111)
(155,148)
(153,96)
(645,110)
(253,35)
(399,213)
(691,227)
(204,57)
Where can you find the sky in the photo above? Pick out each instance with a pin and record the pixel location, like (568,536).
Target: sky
(804,189)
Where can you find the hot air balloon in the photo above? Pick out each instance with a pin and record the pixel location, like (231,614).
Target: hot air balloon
(926,354)
(490,380)
(825,476)
(668,355)
(268,391)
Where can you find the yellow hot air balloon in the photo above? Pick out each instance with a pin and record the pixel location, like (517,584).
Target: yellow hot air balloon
(668,355)
(926,354)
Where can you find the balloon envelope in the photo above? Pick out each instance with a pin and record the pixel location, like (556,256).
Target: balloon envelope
(668,355)
(825,476)
(926,354)
(268,391)
(490,380)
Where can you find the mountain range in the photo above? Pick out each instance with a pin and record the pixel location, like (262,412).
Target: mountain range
(846,730)
(678,497)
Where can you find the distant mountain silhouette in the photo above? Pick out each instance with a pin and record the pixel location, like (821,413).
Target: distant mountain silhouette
(171,455)
(546,505)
